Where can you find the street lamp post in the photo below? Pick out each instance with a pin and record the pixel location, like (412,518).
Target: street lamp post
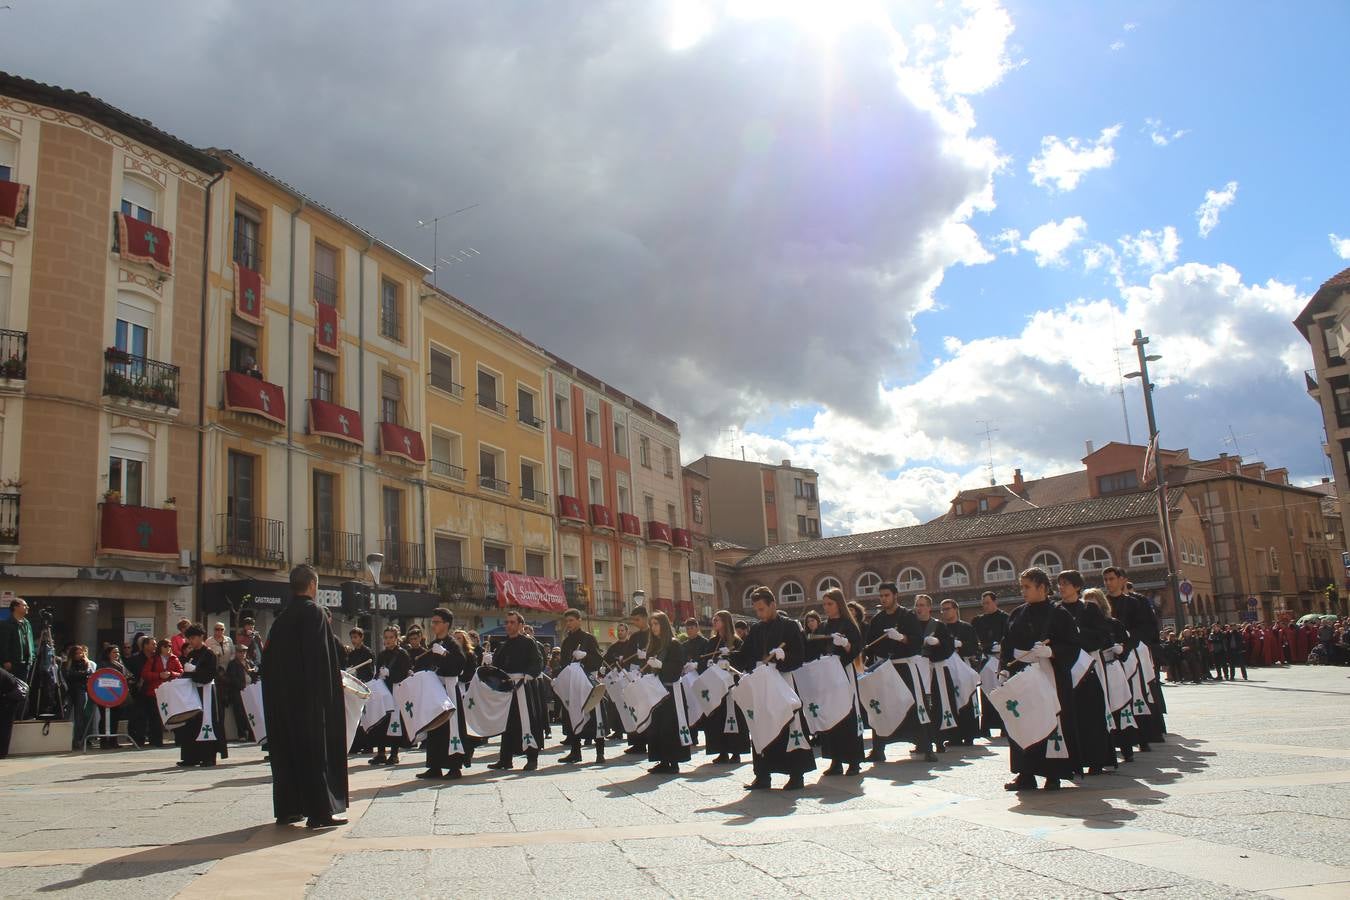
(375,563)
(1159,473)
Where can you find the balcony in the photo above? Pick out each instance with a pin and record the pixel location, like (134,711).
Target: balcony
(402,443)
(14,204)
(1310,382)
(139,531)
(253,540)
(684,611)
(341,552)
(9,519)
(469,587)
(13,355)
(325,289)
(601,517)
(336,424)
(444,383)
(607,602)
(533,495)
(492,404)
(682,539)
(447,470)
(630,526)
(665,605)
(496,485)
(570,511)
(527,418)
(139,379)
(252,397)
(659,533)
(1312,584)
(404,563)
(1269,583)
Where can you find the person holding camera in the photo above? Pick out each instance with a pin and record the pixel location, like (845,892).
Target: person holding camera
(16,640)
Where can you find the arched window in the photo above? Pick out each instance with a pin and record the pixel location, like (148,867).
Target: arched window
(1094,558)
(1145,552)
(910,579)
(954,575)
(868,584)
(999,570)
(1048,561)
(745,598)
(791,592)
(829,581)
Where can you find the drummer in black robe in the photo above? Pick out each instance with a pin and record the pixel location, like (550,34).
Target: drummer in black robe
(616,653)
(776,639)
(967,646)
(1091,738)
(519,657)
(306,716)
(843,743)
(725,727)
(359,661)
(638,636)
(1125,734)
(1136,613)
(393,665)
(817,642)
(580,646)
(991,626)
(201,737)
(896,634)
(1038,629)
(696,658)
(446,658)
(665,657)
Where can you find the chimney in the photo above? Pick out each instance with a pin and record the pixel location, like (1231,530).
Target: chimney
(1018,483)
(1088,444)
(787,464)
(1326,480)
(1221,456)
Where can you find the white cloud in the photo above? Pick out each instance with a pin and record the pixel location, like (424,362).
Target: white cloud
(1160,134)
(1215,202)
(1049,241)
(1131,26)
(977,48)
(1062,164)
(1151,250)
(1008,240)
(1117,45)
(1340,245)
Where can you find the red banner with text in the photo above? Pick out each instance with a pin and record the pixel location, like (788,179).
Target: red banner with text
(529,591)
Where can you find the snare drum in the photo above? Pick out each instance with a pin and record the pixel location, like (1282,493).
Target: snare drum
(178,700)
(253,708)
(643,696)
(380,704)
(487,702)
(423,702)
(354,696)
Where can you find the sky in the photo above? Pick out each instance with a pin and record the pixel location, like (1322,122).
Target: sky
(890,241)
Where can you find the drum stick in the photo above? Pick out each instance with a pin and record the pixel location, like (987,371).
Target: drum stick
(358,666)
(782,646)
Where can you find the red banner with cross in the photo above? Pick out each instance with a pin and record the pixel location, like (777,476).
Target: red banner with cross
(244,393)
(248,294)
(333,421)
(142,242)
(395,440)
(138,531)
(13,204)
(325,327)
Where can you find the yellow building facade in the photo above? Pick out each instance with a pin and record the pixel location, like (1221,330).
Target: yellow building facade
(490,501)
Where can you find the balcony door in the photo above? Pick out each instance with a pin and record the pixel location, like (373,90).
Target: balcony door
(132,335)
(325,519)
(239,500)
(391,502)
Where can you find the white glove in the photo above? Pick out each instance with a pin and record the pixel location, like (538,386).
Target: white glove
(894,634)
(931,640)
(1108,654)
(690,667)
(487,659)
(578,654)
(653,663)
(724,665)
(725,652)
(1041,651)
(839,641)
(958,644)
(777,654)
(1117,649)
(439,649)
(1003,676)
(994,648)
(384,671)
(641,654)
(190,668)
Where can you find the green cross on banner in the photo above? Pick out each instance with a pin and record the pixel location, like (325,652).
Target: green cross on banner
(206,731)
(750,714)
(455,742)
(145,530)
(947,719)
(796,737)
(394,726)
(249,299)
(471,703)
(1127,716)
(408,707)
(707,696)
(328,332)
(875,705)
(1140,707)
(1011,706)
(152,240)
(164,708)
(815,710)
(1056,738)
(684,732)
(251,720)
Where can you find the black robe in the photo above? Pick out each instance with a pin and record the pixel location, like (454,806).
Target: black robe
(1091,738)
(585,641)
(696,650)
(355,657)
(1136,613)
(450,664)
(882,648)
(1029,623)
(1126,733)
(991,629)
(961,728)
(974,656)
(780,631)
(717,739)
(815,644)
(185,736)
(520,656)
(843,743)
(663,733)
(306,716)
(399,664)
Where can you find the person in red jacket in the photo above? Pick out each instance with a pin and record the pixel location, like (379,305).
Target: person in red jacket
(161,667)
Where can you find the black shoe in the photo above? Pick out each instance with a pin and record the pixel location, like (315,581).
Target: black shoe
(877,756)
(183,764)
(430,773)
(1021,783)
(1051,784)
(759,784)
(1129,755)
(658,769)
(632,750)
(502,766)
(377,760)
(393,760)
(834,769)
(532,762)
(794,783)
(854,769)
(1144,748)
(929,756)
(288,820)
(1094,770)
(574,756)
(721,759)
(451,775)
(325,822)
(208,765)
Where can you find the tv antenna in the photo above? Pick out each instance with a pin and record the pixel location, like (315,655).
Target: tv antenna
(1232,441)
(989,432)
(1124,407)
(436,236)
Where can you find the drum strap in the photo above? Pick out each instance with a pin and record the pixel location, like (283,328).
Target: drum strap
(940,672)
(527,739)
(208,730)
(681,717)
(731,726)
(920,689)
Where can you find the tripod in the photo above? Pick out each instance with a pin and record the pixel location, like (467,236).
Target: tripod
(46,692)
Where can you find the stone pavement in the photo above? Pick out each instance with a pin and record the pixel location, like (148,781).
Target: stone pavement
(1249,797)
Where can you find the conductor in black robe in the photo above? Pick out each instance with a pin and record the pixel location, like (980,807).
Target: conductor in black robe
(580,646)
(519,657)
(1091,738)
(896,634)
(444,657)
(778,639)
(306,716)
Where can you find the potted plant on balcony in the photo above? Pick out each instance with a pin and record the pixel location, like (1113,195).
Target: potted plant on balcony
(116,355)
(14,367)
(112,497)
(170,502)
(9,535)
(453,587)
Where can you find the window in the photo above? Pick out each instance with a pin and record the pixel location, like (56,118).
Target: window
(128,468)
(444,368)
(1256,520)
(797,487)
(9,156)
(670,515)
(325,274)
(132,329)
(812,526)
(526,401)
(449,553)
(534,564)
(1274,561)
(595,483)
(745,597)
(801,526)
(696,501)
(530,478)
(1120,481)
(1049,562)
(668,457)
(391,502)
(791,592)
(391,310)
(325,547)
(562,412)
(1200,554)
(325,378)
(1093,559)
(592,421)
(488,397)
(391,398)
(243,347)
(247,235)
(983,505)
(239,493)
(494,558)
(644,451)
(140,199)
(620,438)
(1145,553)
(649,507)
(625,501)
(655,586)
(910,579)
(566,486)
(809,491)
(999,570)
(445,455)
(768,498)
(826,583)
(491,468)
(772,536)
(953,575)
